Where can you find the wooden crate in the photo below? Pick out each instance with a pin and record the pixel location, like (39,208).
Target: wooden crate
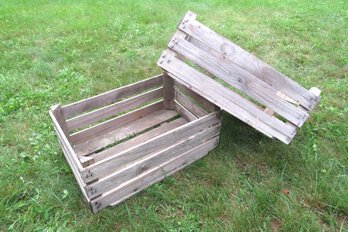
(237,81)
(119,142)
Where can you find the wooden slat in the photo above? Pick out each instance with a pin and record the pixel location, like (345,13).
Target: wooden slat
(113,123)
(114,109)
(123,131)
(247,61)
(168,92)
(69,155)
(240,79)
(226,99)
(151,161)
(164,127)
(189,104)
(109,97)
(111,164)
(133,186)
(207,105)
(189,116)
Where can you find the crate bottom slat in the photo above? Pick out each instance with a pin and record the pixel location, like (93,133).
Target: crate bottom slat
(131,128)
(164,127)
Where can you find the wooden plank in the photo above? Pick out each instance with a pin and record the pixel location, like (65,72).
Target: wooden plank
(168,92)
(206,105)
(114,123)
(189,104)
(69,155)
(113,109)
(123,131)
(111,164)
(59,116)
(240,79)
(247,61)
(185,112)
(164,127)
(226,99)
(109,97)
(151,161)
(133,186)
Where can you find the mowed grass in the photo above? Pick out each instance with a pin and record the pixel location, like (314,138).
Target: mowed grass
(64,51)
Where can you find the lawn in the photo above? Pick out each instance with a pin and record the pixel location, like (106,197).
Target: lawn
(63,51)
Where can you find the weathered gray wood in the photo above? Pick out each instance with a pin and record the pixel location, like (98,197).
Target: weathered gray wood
(59,115)
(226,99)
(151,161)
(109,97)
(113,109)
(247,61)
(114,123)
(164,127)
(189,116)
(188,104)
(240,79)
(168,92)
(204,103)
(123,131)
(69,155)
(133,186)
(111,164)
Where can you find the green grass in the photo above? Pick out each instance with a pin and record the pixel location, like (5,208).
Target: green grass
(64,51)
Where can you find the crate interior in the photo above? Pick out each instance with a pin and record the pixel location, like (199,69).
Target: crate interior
(113,122)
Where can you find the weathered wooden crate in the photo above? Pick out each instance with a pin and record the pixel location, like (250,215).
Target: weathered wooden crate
(119,142)
(236,81)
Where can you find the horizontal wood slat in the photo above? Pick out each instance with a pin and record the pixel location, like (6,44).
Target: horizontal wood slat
(114,109)
(204,103)
(247,61)
(226,99)
(109,97)
(122,132)
(113,123)
(163,128)
(188,115)
(189,104)
(240,79)
(151,161)
(133,186)
(111,164)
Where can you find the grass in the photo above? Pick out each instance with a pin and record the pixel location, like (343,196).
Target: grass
(63,51)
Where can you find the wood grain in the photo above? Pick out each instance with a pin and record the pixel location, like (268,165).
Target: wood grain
(114,123)
(119,133)
(151,161)
(163,128)
(240,79)
(189,104)
(247,61)
(69,155)
(113,109)
(133,186)
(226,99)
(168,92)
(184,112)
(113,163)
(110,97)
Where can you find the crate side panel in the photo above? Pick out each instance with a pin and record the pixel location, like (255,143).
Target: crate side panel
(111,164)
(146,179)
(152,160)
